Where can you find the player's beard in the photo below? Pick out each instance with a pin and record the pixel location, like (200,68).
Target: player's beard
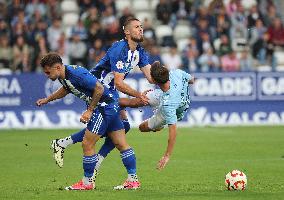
(137,39)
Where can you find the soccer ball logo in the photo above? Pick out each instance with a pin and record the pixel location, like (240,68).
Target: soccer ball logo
(236,180)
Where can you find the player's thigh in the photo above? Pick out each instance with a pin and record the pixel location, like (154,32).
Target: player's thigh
(156,122)
(119,139)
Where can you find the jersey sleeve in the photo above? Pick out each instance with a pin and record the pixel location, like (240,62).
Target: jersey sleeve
(116,59)
(169,113)
(144,58)
(185,75)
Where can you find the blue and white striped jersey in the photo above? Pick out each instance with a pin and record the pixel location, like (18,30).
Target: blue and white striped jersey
(119,58)
(80,82)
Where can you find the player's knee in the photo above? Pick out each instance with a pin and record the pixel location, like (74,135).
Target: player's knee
(87,145)
(143,127)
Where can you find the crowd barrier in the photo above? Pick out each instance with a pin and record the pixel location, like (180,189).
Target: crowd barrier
(216,99)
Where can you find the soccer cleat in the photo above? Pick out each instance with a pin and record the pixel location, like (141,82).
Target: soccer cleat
(80,186)
(128,185)
(58,152)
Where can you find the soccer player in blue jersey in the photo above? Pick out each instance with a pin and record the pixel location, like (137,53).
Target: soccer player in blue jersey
(171,101)
(112,69)
(102,117)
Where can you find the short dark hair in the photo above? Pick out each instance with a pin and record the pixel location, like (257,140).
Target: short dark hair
(128,21)
(159,73)
(50,59)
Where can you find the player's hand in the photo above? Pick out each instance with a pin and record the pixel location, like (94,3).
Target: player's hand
(144,99)
(41,102)
(86,116)
(162,163)
(146,91)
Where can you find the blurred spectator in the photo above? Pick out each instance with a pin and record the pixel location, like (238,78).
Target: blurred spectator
(95,32)
(96,52)
(163,11)
(40,30)
(4,29)
(204,43)
(19,29)
(63,48)
(257,31)
(172,60)
(108,17)
(189,61)
(202,14)
(79,30)
(246,63)
(78,50)
(3,10)
(208,61)
(35,5)
(40,50)
(270,15)
(239,23)
(225,46)
(230,62)
(53,9)
(181,8)
(6,52)
(86,4)
(276,33)
(215,7)
(19,18)
(113,32)
(149,31)
(13,7)
(223,23)
(53,34)
(263,51)
(21,53)
(103,5)
(154,54)
(253,16)
(90,16)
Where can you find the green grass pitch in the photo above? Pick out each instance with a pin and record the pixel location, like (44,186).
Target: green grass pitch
(201,158)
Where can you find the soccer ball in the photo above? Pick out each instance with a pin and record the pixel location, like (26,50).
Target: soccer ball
(236,180)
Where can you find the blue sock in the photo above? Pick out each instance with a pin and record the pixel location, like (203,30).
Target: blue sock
(129,160)
(89,165)
(78,137)
(126,125)
(108,146)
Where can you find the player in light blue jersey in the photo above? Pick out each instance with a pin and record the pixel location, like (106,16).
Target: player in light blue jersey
(102,117)
(170,103)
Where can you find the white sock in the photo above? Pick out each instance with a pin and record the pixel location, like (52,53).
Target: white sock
(100,160)
(65,142)
(87,180)
(132,177)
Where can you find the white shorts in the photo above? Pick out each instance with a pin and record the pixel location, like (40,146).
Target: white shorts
(157,121)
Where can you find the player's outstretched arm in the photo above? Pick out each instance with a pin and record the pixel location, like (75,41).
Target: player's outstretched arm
(58,94)
(171,143)
(146,71)
(97,94)
(126,89)
(131,103)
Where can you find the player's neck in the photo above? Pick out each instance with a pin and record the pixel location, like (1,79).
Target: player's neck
(132,45)
(62,72)
(165,87)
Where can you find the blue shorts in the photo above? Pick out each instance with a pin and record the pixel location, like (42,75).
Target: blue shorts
(105,120)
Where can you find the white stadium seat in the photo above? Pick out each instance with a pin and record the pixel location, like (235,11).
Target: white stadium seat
(142,15)
(121,4)
(70,19)
(69,6)
(163,30)
(279,55)
(139,5)
(182,31)
(182,43)
(153,4)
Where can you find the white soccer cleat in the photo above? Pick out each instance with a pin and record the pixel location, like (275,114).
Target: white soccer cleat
(58,152)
